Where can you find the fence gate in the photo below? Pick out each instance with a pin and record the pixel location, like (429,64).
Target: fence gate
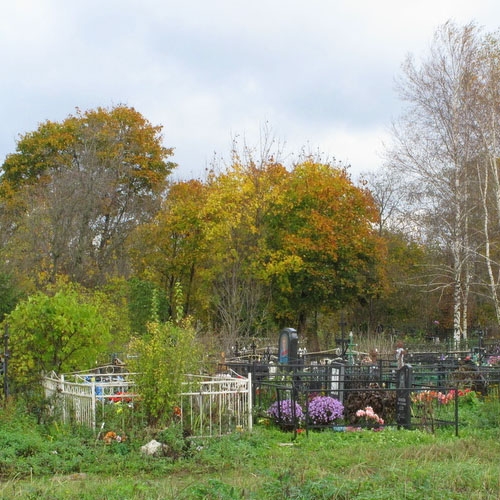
(213,406)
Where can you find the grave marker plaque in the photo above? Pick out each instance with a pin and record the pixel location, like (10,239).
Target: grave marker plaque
(404,382)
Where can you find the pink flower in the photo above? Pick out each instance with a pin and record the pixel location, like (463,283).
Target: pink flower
(369,415)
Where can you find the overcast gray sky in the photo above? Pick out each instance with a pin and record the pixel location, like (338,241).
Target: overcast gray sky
(319,73)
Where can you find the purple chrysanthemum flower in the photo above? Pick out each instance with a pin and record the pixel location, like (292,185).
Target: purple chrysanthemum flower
(325,410)
(282,412)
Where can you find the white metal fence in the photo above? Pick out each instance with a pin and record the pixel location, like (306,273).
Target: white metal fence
(210,406)
(75,397)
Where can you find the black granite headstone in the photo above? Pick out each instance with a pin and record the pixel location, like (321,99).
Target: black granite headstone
(404,382)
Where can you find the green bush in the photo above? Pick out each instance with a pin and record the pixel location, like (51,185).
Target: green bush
(163,358)
(173,437)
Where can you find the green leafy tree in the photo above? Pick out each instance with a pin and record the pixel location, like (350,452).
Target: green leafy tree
(63,330)
(141,296)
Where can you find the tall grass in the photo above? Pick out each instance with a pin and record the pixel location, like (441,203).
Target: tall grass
(52,462)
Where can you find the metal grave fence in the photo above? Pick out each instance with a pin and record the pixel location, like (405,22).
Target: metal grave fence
(78,397)
(213,406)
(210,406)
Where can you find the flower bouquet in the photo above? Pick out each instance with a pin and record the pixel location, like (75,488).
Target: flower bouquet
(370,418)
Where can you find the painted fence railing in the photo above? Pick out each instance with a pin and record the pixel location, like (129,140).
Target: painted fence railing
(210,406)
(76,397)
(213,406)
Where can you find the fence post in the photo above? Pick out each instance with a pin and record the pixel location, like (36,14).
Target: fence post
(93,404)
(249,390)
(63,395)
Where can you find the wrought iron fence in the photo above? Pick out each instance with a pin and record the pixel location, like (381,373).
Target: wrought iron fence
(392,394)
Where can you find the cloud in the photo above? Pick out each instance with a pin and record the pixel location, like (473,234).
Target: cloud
(321,73)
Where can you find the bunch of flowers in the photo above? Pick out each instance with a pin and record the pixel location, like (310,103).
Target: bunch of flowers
(283,412)
(370,417)
(120,397)
(111,437)
(325,410)
(429,396)
(494,360)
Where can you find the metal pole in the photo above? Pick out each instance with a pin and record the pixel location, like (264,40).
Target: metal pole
(343,323)
(250,402)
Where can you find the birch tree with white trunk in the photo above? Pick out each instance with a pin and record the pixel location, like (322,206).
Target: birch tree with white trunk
(434,144)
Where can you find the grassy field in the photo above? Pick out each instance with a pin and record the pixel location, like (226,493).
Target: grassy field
(52,462)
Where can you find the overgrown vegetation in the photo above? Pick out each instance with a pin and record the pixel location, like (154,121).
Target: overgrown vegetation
(51,461)
(56,330)
(163,356)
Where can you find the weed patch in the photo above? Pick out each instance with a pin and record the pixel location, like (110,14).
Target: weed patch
(60,462)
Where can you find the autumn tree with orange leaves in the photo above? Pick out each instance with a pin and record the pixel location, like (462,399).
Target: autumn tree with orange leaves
(263,247)
(324,252)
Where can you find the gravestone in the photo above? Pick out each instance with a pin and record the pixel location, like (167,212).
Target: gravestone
(404,382)
(288,346)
